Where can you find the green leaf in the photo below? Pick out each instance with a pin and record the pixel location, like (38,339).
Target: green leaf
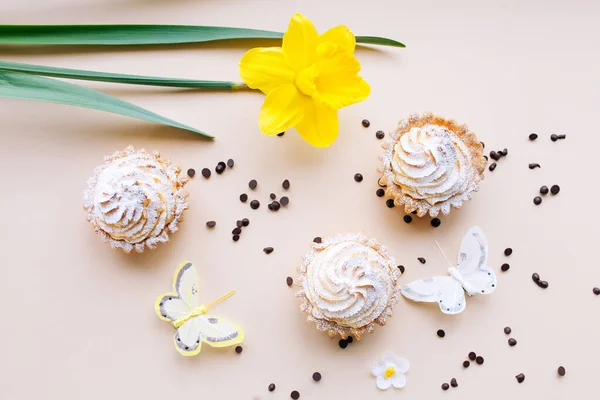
(117,78)
(142,34)
(16,85)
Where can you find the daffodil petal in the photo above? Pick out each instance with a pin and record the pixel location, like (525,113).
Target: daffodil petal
(281,110)
(319,126)
(340,35)
(264,68)
(300,42)
(399,381)
(383,383)
(338,83)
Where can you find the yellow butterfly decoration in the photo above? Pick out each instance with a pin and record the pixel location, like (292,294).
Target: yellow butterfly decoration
(193,326)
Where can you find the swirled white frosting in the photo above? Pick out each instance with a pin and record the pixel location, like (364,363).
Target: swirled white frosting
(349,283)
(431,163)
(135,199)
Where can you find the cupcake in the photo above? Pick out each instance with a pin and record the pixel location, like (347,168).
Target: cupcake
(431,164)
(348,284)
(135,199)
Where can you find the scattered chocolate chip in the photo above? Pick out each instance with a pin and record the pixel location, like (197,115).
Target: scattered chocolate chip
(507,330)
(441,333)
(270,206)
(453,382)
(436,222)
(239,349)
(286,184)
(421,260)
(486,158)
(236,231)
(596,291)
(245,222)
(289,281)
(535,277)
(508,251)
(295,395)
(544,190)
(534,166)
(479,360)
(238,223)
(401,268)
(380,134)
(243,197)
(271,387)
(254,204)
(252,184)
(505,267)
(273,196)
(537,200)
(366,123)
(284,201)
(318,240)
(494,156)
(504,152)
(343,344)
(466,364)
(389,203)
(520,378)
(316,377)
(206,173)
(543,284)
(220,167)
(230,163)
(280,134)
(561,136)
(350,339)
(482,144)
(211,224)
(358,177)
(236,238)
(268,250)
(561,371)
(554,137)
(512,342)
(445,386)
(555,189)
(492,166)
(275,206)
(533,136)
(191,172)
(472,356)
(407,219)
(380,192)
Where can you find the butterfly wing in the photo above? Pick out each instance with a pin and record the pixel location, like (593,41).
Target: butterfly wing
(443,290)
(188,339)
(172,306)
(475,276)
(219,332)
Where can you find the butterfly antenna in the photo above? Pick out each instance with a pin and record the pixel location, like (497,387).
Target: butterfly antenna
(444,254)
(220,299)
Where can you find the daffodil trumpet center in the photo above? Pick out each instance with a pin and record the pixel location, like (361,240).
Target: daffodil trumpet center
(306,80)
(389,372)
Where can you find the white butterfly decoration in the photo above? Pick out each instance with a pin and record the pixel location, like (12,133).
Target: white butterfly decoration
(470,275)
(188,315)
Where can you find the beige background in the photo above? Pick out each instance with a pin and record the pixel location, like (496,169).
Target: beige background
(78,317)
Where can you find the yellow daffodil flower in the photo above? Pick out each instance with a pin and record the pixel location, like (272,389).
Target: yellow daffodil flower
(306,80)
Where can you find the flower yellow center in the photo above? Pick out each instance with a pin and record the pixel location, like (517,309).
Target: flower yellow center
(390,371)
(307,79)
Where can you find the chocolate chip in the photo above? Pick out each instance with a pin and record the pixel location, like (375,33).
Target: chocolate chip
(252,184)
(243,197)
(343,344)
(238,223)
(492,166)
(254,204)
(544,190)
(206,173)
(284,201)
(295,395)
(507,330)
(561,136)
(534,165)
(453,382)
(421,260)
(191,172)
(389,203)
(271,387)
(289,281)
(358,177)
(401,268)
(445,386)
(543,284)
(533,136)
(554,137)
(507,251)
(273,196)
(230,163)
(380,134)
(435,222)
(350,339)
(236,231)
(318,240)
(441,333)
(211,224)
(504,152)
(286,184)
(472,356)
(275,206)
(245,222)
(380,192)
(366,123)
(220,167)
(537,200)
(268,250)
(520,378)
(316,377)
(494,156)
(512,342)
(239,349)
(596,291)
(479,360)
(561,371)
(555,189)
(466,364)
(505,267)
(270,206)
(482,144)
(280,134)
(407,219)
(535,277)
(486,158)
(236,238)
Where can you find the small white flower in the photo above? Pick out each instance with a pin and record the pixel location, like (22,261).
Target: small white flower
(390,371)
